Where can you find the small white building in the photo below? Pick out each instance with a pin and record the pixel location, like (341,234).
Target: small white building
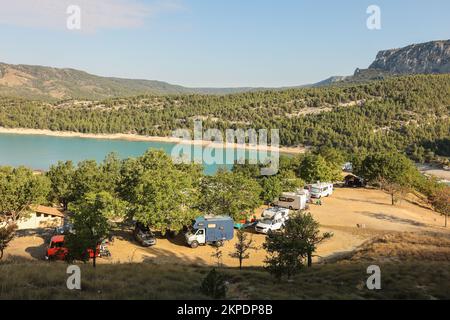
(42,217)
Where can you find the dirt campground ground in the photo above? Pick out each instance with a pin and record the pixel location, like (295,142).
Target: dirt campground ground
(341,214)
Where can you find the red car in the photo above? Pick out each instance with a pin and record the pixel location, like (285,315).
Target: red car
(57,251)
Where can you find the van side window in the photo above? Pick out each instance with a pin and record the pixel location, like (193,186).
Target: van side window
(200,232)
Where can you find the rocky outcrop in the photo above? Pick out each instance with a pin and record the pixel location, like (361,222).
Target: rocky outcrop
(425,58)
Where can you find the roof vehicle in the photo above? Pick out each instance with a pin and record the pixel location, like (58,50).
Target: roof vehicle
(143,235)
(321,189)
(292,201)
(275,213)
(273,219)
(57,251)
(210,229)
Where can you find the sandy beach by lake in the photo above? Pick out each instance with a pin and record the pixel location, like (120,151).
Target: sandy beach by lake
(136,137)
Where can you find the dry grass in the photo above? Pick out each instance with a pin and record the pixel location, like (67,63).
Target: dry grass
(40,280)
(403,247)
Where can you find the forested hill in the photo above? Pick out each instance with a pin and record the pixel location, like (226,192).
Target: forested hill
(409,113)
(50,84)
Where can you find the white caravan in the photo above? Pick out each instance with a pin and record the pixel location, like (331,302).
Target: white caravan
(293,201)
(322,189)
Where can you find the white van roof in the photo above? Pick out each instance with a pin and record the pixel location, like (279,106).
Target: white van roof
(274,210)
(321,184)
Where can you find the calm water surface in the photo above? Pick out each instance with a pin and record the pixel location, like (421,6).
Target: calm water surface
(40,152)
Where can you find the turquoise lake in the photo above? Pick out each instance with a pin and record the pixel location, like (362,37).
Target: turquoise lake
(40,152)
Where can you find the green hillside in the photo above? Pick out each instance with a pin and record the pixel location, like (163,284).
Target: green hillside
(409,113)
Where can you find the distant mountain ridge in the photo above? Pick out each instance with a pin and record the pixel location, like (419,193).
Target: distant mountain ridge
(424,58)
(47,83)
(40,82)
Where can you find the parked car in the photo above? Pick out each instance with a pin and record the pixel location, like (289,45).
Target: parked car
(210,229)
(270,225)
(57,251)
(143,235)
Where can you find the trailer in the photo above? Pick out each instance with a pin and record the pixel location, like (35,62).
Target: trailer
(210,230)
(292,200)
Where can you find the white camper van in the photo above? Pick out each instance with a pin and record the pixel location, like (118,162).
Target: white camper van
(322,189)
(273,219)
(275,213)
(292,201)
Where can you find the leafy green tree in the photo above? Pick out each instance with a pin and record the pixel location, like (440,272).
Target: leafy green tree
(88,178)
(304,226)
(441,202)
(6,235)
(91,225)
(110,172)
(20,188)
(393,171)
(61,176)
(271,187)
(288,250)
(230,194)
(315,168)
(333,156)
(160,194)
(392,167)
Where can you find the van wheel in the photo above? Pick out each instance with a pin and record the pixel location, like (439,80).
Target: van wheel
(290,208)
(194,244)
(219,243)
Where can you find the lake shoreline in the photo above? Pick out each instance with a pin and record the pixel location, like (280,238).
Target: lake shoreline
(136,137)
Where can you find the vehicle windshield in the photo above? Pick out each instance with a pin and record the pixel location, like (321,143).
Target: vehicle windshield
(266,221)
(147,235)
(56,245)
(315,190)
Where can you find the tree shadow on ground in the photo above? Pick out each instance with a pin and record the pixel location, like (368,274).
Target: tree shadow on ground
(363,200)
(391,218)
(36,252)
(161,256)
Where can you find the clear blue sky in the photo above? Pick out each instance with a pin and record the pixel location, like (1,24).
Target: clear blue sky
(218,43)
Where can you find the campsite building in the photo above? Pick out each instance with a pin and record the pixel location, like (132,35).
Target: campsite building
(42,217)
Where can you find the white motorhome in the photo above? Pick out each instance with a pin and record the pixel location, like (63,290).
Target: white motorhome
(321,189)
(293,201)
(275,213)
(273,219)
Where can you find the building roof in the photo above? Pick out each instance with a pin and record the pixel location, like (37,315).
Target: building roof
(48,210)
